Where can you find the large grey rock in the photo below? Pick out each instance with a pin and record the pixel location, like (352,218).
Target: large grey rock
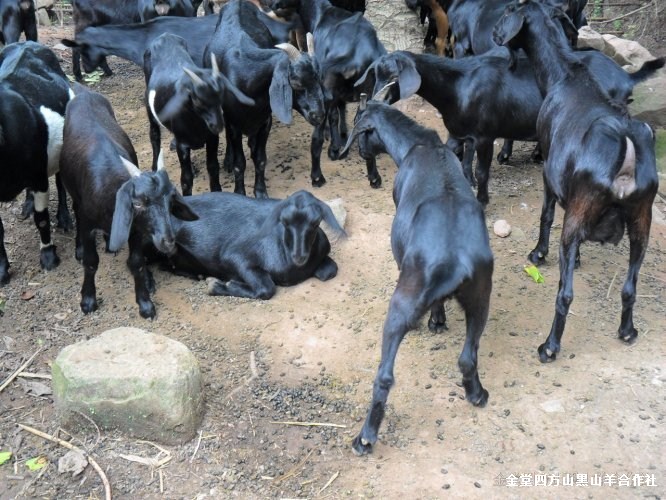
(44,4)
(397,26)
(625,51)
(143,384)
(588,38)
(340,213)
(43,18)
(649,102)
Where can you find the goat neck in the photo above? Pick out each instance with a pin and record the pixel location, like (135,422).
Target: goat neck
(312,12)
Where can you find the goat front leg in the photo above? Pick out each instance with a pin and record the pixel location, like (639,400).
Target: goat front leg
(235,149)
(155,135)
(4,261)
(90,261)
(538,255)
(143,281)
(326,270)
(334,128)
(212,164)
(484,153)
(506,152)
(28,207)
(105,67)
(62,216)
(253,284)
(403,309)
(316,147)
(258,153)
(186,172)
(469,146)
(48,258)
(639,220)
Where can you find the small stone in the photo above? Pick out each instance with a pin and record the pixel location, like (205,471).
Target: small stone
(552,406)
(541,446)
(477,484)
(502,228)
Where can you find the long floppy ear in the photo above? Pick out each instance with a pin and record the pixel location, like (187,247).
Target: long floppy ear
(329,218)
(230,87)
(358,129)
(73,44)
(174,105)
(508,27)
(409,78)
(280,92)
(180,209)
(361,80)
(122,217)
(570,30)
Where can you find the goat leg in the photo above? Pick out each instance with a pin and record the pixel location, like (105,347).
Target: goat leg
(186,173)
(437,320)
(212,164)
(4,261)
(638,228)
(90,261)
(142,277)
(336,139)
(235,147)
(105,67)
(484,153)
(536,155)
(78,244)
(255,284)
(28,207)
(48,259)
(257,145)
(326,270)
(469,146)
(538,255)
(76,64)
(62,216)
(316,147)
(504,155)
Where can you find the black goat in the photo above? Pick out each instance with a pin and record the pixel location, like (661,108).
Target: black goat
(188,101)
(101,12)
(30,138)
(278,79)
(248,246)
(434,207)
(109,193)
(150,9)
(345,45)
(35,70)
(16,17)
(476,94)
(600,163)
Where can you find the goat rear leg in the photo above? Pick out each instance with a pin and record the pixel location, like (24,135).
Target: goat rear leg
(437,320)
(142,277)
(316,147)
(254,284)
(469,147)
(538,255)
(235,150)
(257,144)
(569,244)
(90,261)
(186,173)
(484,152)
(638,228)
(48,258)
(327,270)
(4,261)
(212,164)
(28,207)
(105,67)
(504,155)
(336,139)
(537,155)
(373,174)
(403,309)
(62,216)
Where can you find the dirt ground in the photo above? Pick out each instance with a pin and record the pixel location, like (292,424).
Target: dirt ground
(596,415)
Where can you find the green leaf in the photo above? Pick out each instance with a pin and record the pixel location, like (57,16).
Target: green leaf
(5,456)
(36,463)
(533,271)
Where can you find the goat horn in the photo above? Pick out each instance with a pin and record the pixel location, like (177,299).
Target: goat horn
(160,161)
(132,169)
(522,1)
(291,51)
(381,93)
(213,64)
(309,38)
(364,101)
(195,78)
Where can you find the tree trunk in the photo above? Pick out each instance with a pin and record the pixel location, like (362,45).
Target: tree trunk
(398,27)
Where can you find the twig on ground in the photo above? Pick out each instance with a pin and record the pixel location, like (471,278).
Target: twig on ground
(196,448)
(310,424)
(69,446)
(611,285)
(99,434)
(20,369)
(294,469)
(625,15)
(44,376)
(255,374)
(333,478)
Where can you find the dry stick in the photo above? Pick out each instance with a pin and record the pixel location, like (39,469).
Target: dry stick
(196,448)
(626,15)
(44,376)
(311,424)
(99,434)
(20,369)
(611,285)
(255,374)
(333,478)
(69,446)
(293,471)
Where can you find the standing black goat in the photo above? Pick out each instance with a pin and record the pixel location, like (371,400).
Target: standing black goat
(276,79)
(33,93)
(252,245)
(345,45)
(109,193)
(482,97)
(187,100)
(16,17)
(435,207)
(599,162)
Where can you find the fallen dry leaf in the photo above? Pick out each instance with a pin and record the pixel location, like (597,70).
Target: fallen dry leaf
(28,294)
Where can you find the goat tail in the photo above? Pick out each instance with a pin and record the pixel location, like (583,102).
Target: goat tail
(624,182)
(647,70)
(445,279)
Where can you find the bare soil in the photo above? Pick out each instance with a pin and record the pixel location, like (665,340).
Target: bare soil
(598,410)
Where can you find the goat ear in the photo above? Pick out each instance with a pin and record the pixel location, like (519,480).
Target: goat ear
(122,217)
(173,106)
(72,44)
(365,75)
(280,92)
(235,91)
(329,217)
(570,30)
(509,26)
(409,79)
(180,209)
(359,128)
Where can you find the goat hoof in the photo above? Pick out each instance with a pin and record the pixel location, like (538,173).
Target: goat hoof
(480,400)
(628,337)
(376,183)
(261,195)
(88,305)
(361,446)
(65,223)
(147,310)
(436,326)
(48,258)
(333,153)
(546,355)
(536,158)
(536,257)
(319,181)
(503,158)
(78,253)
(483,199)
(4,277)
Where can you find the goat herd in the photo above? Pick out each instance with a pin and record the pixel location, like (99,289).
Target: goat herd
(235,70)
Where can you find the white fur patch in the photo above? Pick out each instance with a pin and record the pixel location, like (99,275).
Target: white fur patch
(41,201)
(54,123)
(151,104)
(72,95)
